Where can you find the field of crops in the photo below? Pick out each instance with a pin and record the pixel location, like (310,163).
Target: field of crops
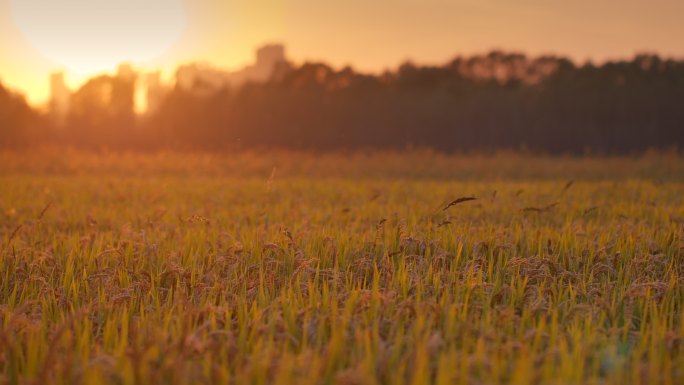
(284,268)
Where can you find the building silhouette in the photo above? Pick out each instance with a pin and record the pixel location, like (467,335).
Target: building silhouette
(201,78)
(60,96)
(155,91)
(268,58)
(204,79)
(125,91)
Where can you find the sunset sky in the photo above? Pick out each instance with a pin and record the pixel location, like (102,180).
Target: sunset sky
(40,36)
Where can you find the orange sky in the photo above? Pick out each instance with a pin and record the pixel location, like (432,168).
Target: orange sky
(369,34)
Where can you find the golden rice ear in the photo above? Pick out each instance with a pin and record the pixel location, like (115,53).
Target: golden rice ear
(459,200)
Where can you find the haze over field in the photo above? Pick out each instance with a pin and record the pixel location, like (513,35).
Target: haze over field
(383,192)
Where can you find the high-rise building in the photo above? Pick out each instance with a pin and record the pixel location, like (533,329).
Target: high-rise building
(59,96)
(125,95)
(268,57)
(203,79)
(155,91)
(126,72)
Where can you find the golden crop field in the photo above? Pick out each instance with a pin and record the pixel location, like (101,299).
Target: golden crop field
(290,268)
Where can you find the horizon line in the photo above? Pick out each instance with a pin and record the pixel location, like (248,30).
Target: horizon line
(387,68)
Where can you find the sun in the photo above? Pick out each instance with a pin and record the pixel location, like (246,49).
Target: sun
(87,36)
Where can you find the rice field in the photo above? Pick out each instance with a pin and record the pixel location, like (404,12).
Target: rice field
(280,268)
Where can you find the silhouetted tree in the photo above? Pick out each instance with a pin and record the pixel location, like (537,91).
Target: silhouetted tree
(493,101)
(19,124)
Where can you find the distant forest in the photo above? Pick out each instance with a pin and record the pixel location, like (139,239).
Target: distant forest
(487,102)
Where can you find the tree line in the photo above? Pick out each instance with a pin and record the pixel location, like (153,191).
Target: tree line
(486,102)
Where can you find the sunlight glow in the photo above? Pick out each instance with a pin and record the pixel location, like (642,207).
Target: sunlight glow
(88,36)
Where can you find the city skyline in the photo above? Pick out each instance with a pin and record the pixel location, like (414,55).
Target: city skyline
(149,89)
(370,36)
(68,82)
